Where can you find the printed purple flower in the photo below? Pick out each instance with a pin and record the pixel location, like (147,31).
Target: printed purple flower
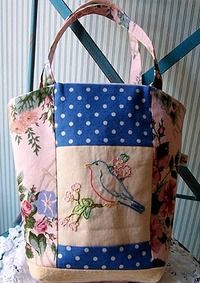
(46,204)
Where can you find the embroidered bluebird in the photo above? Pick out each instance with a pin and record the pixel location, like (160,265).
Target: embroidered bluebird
(109,187)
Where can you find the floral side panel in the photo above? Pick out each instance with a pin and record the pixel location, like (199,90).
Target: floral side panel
(168,115)
(32,133)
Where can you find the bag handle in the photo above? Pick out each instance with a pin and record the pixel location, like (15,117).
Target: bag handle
(111,11)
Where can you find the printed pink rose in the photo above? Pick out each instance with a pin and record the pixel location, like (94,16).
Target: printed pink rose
(167,196)
(29,117)
(156,233)
(41,226)
(18,126)
(26,208)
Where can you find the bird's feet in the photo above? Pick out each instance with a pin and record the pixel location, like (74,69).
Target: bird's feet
(110,204)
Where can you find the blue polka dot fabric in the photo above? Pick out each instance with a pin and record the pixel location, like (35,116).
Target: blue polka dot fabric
(98,114)
(124,257)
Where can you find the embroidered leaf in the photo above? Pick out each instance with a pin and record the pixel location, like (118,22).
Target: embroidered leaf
(42,243)
(34,242)
(87,212)
(53,248)
(22,196)
(124,157)
(29,222)
(162,150)
(29,253)
(86,202)
(78,209)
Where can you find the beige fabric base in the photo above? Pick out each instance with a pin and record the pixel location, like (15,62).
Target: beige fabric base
(47,274)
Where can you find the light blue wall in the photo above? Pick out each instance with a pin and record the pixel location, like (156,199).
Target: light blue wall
(167,23)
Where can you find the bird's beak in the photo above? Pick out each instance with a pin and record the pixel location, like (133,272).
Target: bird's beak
(87,165)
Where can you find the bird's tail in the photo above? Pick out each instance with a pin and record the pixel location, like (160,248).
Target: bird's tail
(133,204)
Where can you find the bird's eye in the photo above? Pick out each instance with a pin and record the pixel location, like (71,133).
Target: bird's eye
(97,163)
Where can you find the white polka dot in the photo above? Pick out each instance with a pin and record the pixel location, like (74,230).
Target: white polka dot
(104,250)
(130,115)
(103,267)
(70,141)
(68,266)
(71,124)
(105,140)
(55,108)
(104,106)
(138,140)
(88,89)
(144,253)
(105,89)
(130,98)
(56,125)
(113,97)
(137,107)
(121,249)
(95,258)
(113,132)
(149,109)
(79,115)
(86,250)
(85,266)
(68,248)
(96,114)
(88,140)
(137,124)
(60,256)
(121,123)
(136,246)
(121,90)
(144,116)
(88,123)
(55,90)
(143,100)
(56,142)
(145,133)
(79,132)
(129,256)
(121,106)
(113,258)
(122,140)
(130,132)
(113,114)
(62,116)
(121,266)
(63,133)
(71,106)
(96,132)
(62,98)
(77,258)
(71,89)
(96,98)
(137,264)
(87,106)
(105,123)
(137,90)
(151,125)
(79,97)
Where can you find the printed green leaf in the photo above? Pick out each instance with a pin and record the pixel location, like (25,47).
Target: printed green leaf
(29,253)
(87,212)
(33,240)
(42,243)
(86,202)
(124,157)
(21,188)
(20,178)
(53,248)
(21,197)
(29,222)
(78,209)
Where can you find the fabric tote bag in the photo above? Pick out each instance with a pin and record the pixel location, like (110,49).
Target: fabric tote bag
(96,169)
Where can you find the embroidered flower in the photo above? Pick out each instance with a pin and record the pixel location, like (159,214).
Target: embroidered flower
(74,226)
(26,208)
(41,226)
(69,197)
(167,196)
(18,126)
(46,204)
(64,221)
(118,163)
(156,233)
(76,187)
(120,169)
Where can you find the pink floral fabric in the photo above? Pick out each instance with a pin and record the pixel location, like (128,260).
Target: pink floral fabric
(168,115)
(31,126)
